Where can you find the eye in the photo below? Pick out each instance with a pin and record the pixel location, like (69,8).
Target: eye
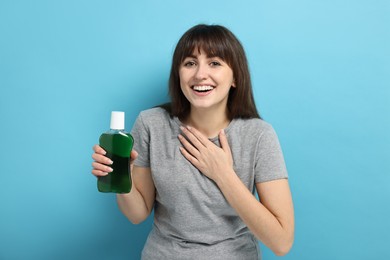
(215,63)
(189,63)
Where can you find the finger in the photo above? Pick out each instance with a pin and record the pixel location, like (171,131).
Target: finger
(133,156)
(98,149)
(188,146)
(101,159)
(101,167)
(189,157)
(98,173)
(194,136)
(204,140)
(224,142)
(98,167)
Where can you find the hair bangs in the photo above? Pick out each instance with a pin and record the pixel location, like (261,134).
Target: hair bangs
(209,41)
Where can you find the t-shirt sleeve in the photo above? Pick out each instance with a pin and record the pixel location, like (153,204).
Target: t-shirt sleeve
(270,164)
(140,134)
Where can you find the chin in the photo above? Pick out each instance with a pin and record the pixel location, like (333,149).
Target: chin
(199,105)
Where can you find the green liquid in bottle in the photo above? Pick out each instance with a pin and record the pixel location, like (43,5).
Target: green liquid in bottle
(118,145)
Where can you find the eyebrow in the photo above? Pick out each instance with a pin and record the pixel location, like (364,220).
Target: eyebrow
(190,56)
(208,56)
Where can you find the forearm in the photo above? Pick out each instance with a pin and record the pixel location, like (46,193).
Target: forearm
(133,206)
(260,220)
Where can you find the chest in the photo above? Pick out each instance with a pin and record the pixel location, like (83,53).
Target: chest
(179,184)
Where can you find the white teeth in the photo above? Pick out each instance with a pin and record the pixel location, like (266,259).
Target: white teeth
(203,88)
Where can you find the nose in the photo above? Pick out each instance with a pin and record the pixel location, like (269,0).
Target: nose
(201,72)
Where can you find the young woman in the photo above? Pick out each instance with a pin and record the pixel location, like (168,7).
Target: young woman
(199,160)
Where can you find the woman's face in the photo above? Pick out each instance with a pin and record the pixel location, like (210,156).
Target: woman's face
(205,81)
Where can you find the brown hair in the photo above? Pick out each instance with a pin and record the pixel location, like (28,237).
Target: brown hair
(216,41)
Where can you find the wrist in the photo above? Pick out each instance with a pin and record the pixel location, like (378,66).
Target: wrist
(225,177)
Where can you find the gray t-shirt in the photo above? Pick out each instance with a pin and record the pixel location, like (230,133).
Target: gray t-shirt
(192,219)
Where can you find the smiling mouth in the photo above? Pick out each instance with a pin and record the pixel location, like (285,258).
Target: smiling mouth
(202,89)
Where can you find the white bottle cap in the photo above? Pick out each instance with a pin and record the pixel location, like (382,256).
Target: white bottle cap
(117,120)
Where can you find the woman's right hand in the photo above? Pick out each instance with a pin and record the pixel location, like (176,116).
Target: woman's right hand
(101,163)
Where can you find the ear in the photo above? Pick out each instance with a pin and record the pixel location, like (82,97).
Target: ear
(233,84)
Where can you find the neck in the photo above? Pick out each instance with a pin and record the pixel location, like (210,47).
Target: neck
(208,122)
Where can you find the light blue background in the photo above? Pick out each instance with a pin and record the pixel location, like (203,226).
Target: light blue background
(320,73)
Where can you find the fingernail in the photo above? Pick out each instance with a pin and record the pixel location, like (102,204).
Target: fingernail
(109,169)
(223,131)
(181,127)
(109,161)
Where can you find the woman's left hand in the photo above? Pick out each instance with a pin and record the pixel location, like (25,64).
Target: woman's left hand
(208,158)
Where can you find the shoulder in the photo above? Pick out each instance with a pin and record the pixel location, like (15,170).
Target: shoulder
(154,112)
(252,127)
(154,115)
(156,119)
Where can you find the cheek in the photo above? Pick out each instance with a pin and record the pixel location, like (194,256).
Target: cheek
(183,78)
(230,81)
(228,77)
(182,85)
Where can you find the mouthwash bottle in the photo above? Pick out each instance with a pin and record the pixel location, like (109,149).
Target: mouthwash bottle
(118,144)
